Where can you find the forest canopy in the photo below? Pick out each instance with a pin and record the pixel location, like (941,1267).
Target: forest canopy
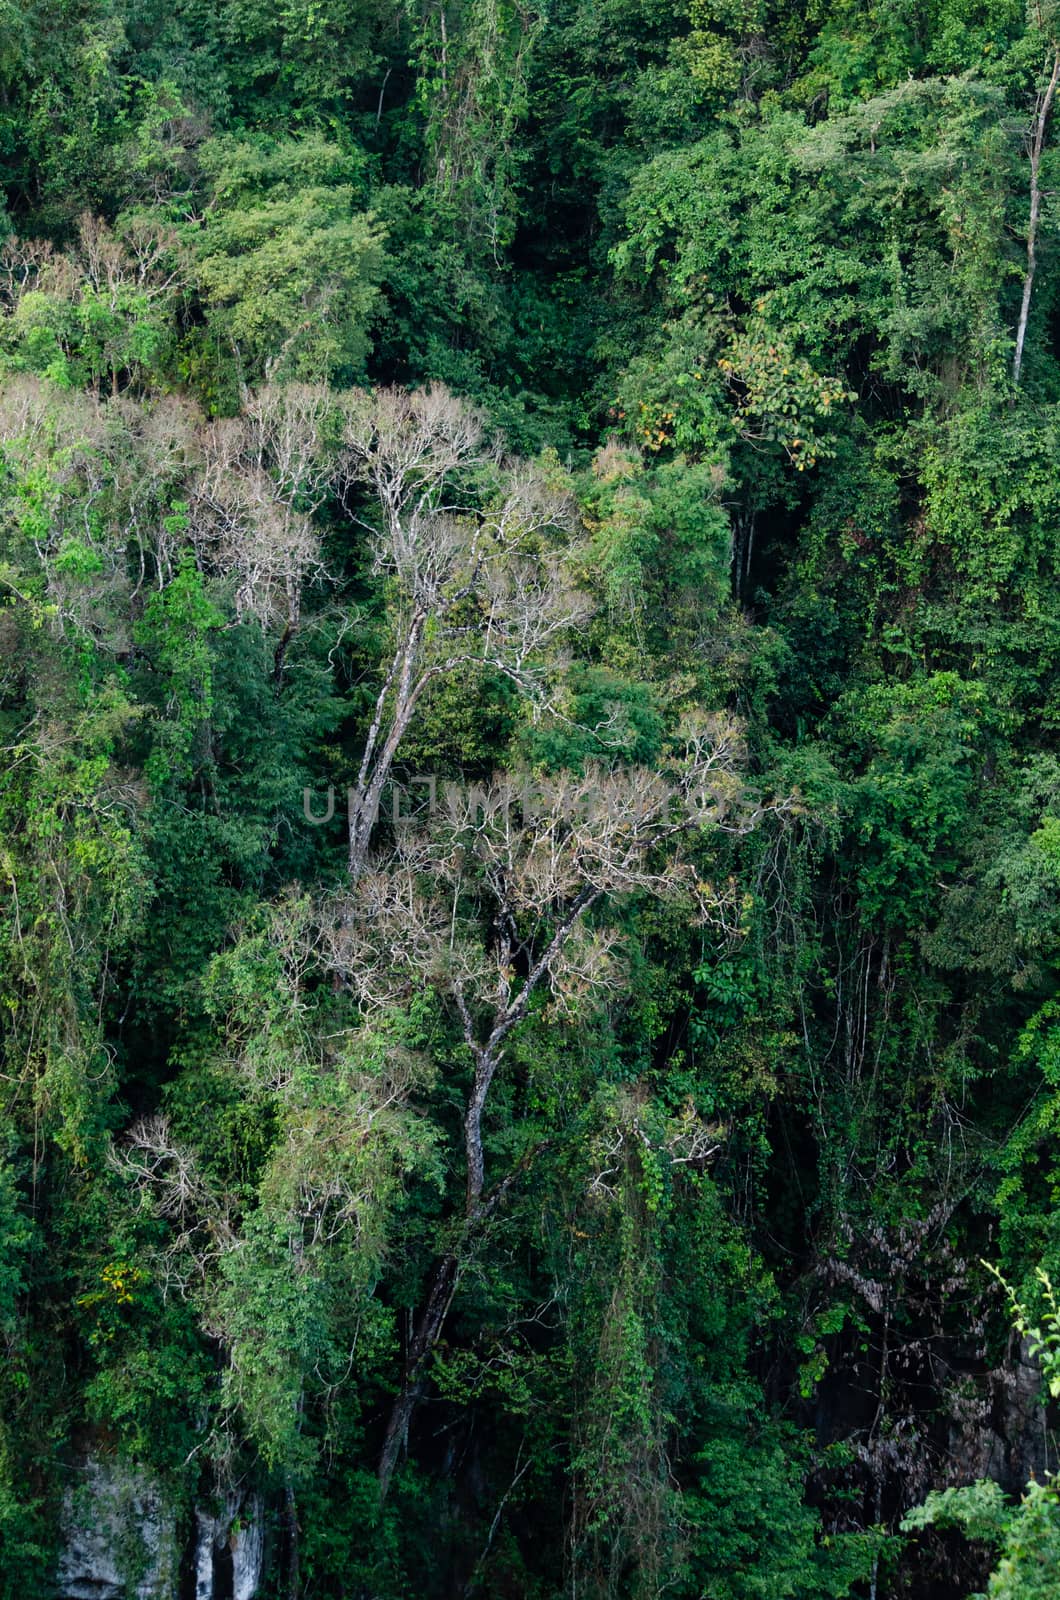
(530,800)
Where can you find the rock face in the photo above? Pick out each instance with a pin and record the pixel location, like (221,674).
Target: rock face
(120,1541)
(119,1536)
(1012,1441)
(230,1549)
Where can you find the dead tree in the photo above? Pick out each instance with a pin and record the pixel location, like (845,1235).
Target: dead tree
(1036,144)
(261,478)
(528,861)
(471,547)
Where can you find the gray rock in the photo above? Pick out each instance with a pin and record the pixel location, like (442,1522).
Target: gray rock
(119,1536)
(119,1539)
(235,1535)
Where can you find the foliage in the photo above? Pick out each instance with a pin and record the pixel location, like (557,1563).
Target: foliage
(288,269)
(1027,1536)
(529,844)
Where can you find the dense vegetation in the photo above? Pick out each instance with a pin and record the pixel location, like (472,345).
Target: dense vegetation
(611,449)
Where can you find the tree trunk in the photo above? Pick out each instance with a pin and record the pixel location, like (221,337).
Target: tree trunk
(290,1517)
(485,1067)
(279,658)
(365,799)
(1041,119)
(428,1331)
(487,1058)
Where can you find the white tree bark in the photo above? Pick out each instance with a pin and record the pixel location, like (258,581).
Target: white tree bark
(1041,119)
